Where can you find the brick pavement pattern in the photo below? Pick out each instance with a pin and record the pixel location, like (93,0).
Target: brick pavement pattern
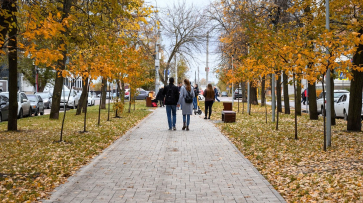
(152,164)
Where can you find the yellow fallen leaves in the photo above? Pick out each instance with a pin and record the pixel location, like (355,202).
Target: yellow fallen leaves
(299,169)
(33,163)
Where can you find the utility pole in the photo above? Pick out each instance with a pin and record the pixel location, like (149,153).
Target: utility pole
(198,77)
(328,86)
(176,70)
(207,67)
(195,77)
(157,63)
(273,102)
(176,65)
(248,89)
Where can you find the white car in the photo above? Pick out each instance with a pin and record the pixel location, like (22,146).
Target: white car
(24,107)
(73,99)
(320,101)
(91,99)
(342,106)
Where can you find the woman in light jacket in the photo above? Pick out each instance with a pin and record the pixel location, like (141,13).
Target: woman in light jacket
(187,108)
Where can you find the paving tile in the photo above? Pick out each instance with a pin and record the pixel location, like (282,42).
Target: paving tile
(199,165)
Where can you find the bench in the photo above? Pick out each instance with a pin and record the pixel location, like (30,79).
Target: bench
(229,116)
(227,106)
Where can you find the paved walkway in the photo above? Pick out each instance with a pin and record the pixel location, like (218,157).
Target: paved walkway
(153,164)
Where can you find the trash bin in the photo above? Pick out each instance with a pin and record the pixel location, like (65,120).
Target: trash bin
(227,106)
(148,102)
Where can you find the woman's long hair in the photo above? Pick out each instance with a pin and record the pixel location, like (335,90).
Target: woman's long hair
(187,85)
(210,91)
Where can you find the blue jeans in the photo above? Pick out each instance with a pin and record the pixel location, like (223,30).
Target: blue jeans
(186,117)
(195,104)
(171,110)
(217,98)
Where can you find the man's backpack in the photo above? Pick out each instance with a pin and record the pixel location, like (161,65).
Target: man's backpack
(169,98)
(188,99)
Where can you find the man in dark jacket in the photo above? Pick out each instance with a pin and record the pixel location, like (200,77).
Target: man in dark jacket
(196,93)
(216,93)
(159,97)
(171,94)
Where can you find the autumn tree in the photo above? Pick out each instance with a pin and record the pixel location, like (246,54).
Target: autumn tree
(184,26)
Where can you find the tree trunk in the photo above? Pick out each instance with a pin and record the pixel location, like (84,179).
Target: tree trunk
(253,99)
(130,99)
(61,65)
(286,93)
(278,93)
(298,97)
(122,91)
(84,97)
(103,90)
(244,92)
(333,122)
(355,100)
(313,109)
(263,83)
(13,66)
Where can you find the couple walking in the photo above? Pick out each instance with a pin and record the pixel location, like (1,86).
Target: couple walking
(173,99)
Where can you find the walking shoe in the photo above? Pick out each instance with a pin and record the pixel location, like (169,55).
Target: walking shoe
(169,129)
(208,117)
(188,128)
(205,117)
(174,128)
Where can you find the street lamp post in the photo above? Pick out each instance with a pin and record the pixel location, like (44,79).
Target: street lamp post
(328,88)
(232,84)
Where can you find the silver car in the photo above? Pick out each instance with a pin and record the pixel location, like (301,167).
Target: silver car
(37,104)
(24,107)
(46,97)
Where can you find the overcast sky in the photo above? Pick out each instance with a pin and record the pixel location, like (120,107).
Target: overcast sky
(201,63)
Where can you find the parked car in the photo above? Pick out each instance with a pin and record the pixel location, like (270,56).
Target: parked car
(46,97)
(237,93)
(24,107)
(73,99)
(342,106)
(37,104)
(224,94)
(91,99)
(141,94)
(79,95)
(4,108)
(320,101)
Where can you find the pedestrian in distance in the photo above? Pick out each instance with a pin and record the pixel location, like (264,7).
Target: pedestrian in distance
(160,98)
(186,101)
(196,93)
(171,95)
(209,96)
(179,87)
(216,93)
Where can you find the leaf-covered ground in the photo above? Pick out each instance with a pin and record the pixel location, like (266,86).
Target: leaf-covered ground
(33,163)
(299,169)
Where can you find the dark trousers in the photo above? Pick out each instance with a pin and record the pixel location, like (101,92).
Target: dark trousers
(208,106)
(161,103)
